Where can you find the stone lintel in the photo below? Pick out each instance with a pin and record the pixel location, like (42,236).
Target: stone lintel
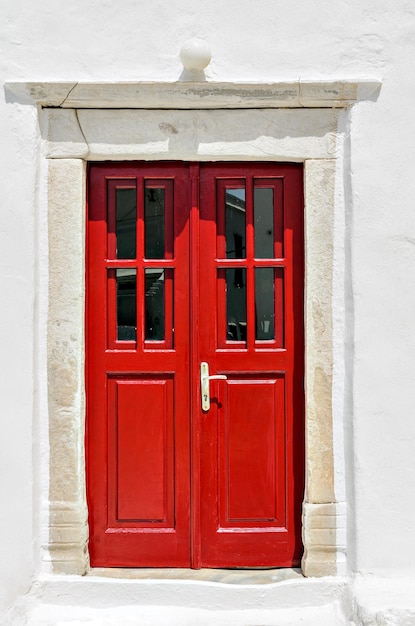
(198,135)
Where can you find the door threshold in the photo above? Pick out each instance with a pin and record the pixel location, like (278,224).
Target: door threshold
(255,576)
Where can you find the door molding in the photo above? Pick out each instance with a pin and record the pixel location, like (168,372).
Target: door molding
(313,136)
(340,92)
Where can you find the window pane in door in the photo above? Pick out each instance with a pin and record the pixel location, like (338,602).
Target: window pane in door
(235,223)
(125,223)
(264,222)
(154,208)
(126,304)
(236,304)
(154,304)
(264,303)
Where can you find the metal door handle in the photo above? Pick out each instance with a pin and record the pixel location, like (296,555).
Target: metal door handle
(204,384)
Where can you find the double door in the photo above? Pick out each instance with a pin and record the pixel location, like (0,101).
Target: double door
(194,351)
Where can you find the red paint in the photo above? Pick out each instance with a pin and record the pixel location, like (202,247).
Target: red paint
(167,484)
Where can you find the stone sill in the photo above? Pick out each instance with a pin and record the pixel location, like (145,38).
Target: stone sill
(243,576)
(194,95)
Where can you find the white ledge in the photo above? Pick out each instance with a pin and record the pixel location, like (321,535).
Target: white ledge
(192,95)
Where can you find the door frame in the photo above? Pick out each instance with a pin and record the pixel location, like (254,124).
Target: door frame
(317,140)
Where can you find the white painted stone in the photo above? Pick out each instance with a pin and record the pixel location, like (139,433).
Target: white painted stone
(56,600)
(324,536)
(68,514)
(194,95)
(64,135)
(173,616)
(199,135)
(52,94)
(94,590)
(195,54)
(319,215)
(384,601)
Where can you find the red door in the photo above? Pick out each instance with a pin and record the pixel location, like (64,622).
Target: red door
(191,264)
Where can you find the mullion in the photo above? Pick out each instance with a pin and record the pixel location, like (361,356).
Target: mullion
(140,265)
(250,284)
(111,289)
(111,218)
(155,264)
(169,219)
(224,264)
(168,307)
(221,187)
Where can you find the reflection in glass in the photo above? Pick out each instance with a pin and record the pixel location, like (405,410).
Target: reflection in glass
(236,304)
(264,222)
(126,304)
(154,223)
(154,324)
(264,303)
(235,213)
(125,223)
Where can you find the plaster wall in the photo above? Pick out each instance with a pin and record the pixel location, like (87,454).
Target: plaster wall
(373,394)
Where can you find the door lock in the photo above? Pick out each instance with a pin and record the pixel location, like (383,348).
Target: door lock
(204,384)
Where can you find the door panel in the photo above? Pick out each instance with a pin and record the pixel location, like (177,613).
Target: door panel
(189,263)
(249,441)
(142,484)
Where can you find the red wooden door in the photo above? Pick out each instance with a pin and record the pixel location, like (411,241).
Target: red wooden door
(189,264)
(251,267)
(138,366)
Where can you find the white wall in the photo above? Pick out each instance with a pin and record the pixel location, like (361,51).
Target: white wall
(269,40)
(17,164)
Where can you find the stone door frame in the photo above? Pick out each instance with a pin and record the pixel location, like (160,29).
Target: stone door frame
(256,126)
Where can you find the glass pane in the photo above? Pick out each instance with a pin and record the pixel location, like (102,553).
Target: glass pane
(125,223)
(236,304)
(126,304)
(154,223)
(235,223)
(264,223)
(264,303)
(154,325)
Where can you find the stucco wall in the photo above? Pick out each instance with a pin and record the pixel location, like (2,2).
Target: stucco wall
(270,41)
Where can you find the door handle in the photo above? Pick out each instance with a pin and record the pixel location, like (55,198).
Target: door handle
(204,384)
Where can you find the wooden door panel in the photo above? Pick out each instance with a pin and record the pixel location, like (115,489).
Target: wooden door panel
(247,516)
(251,451)
(140,445)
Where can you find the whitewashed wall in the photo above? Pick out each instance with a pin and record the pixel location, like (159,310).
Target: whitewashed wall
(270,40)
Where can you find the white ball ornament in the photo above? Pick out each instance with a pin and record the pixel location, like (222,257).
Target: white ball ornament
(195,54)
